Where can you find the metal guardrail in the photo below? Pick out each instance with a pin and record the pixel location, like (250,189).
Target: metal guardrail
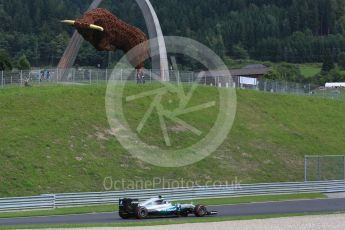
(27,203)
(97,198)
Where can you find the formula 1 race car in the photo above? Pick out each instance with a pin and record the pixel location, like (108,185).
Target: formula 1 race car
(158,207)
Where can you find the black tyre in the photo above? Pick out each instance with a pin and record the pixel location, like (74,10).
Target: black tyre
(142,213)
(124,216)
(200,211)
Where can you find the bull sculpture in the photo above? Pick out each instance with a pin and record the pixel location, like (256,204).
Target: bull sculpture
(106,32)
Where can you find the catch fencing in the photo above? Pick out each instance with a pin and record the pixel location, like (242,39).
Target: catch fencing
(101,76)
(52,201)
(326,167)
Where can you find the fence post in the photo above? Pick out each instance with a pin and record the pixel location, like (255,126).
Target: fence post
(97,76)
(21,77)
(305,168)
(58,75)
(265,86)
(344,166)
(54,201)
(90,77)
(319,168)
(2,79)
(150,75)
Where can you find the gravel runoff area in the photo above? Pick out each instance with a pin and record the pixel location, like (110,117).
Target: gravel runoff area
(322,222)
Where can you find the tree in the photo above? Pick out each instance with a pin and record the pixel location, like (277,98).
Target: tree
(23,63)
(5,62)
(285,72)
(239,52)
(319,79)
(328,63)
(274,30)
(272,74)
(335,76)
(341,60)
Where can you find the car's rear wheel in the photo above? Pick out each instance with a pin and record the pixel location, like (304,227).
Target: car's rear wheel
(124,216)
(200,211)
(142,213)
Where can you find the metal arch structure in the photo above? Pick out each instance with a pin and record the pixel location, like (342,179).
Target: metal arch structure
(159,63)
(155,31)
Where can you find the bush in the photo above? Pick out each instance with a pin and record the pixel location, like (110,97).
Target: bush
(285,72)
(328,63)
(23,63)
(341,60)
(334,75)
(5,62)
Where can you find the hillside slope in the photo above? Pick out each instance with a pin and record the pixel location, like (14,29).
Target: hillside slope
(57,139)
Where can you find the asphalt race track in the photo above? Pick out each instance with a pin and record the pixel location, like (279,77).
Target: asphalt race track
(285,207)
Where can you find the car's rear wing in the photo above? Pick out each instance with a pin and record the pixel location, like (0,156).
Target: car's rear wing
(128,205)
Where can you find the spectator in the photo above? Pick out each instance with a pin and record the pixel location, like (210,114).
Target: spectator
(138,77)
(41,75)
(142,76)
(26,82)
(48,75)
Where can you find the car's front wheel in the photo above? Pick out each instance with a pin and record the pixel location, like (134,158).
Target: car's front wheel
(142,213)
(200,211)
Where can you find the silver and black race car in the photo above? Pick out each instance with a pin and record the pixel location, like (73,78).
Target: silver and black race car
(158,207)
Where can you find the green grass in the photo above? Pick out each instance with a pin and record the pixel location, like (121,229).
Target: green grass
(255,199)
(335,94)
(168,221)
(310,70)
(57,139)
(61,211)
(113,207)
(241,63)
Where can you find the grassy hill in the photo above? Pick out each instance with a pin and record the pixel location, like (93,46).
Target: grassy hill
(57,139)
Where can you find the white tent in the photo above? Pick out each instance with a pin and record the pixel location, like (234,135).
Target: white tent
(335,85)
